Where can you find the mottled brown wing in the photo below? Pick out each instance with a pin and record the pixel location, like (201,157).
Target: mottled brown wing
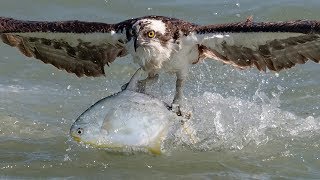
(273,45)
(78,47)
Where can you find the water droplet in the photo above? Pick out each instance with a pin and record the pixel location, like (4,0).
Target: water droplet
(66,158)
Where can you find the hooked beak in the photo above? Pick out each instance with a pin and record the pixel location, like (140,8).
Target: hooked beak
(135,45)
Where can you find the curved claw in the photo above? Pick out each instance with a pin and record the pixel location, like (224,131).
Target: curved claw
(176,109)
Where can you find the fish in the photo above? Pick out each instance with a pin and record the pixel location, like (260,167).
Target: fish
(128,121)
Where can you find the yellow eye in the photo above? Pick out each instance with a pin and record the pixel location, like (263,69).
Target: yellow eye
(151,34)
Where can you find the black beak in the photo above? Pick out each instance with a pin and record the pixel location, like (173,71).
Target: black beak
(135,44)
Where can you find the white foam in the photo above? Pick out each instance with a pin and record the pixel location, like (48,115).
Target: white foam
(232,123)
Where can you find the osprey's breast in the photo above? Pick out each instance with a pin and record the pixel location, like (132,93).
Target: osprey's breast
(182,58)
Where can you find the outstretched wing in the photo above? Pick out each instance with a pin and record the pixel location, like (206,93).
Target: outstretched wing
(78,47)
(272,45)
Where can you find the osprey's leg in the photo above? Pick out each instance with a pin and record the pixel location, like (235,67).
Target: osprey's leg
(178,97)
(152,77)
(142,83)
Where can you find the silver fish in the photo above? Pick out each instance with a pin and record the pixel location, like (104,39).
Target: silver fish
(126,121)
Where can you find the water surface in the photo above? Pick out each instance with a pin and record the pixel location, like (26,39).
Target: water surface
(251,125)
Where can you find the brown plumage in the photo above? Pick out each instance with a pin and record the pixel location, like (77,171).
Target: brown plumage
(83,59)
(275,54)
(86,59)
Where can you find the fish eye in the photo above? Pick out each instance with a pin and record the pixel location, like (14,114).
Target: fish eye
(79,131)
(151,34)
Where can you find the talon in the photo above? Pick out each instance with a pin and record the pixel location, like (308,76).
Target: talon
(176,109)
(142,86)
(187,115)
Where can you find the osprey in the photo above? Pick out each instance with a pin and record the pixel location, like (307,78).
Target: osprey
(162,43)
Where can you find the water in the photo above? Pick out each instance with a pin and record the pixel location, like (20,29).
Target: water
(250,125)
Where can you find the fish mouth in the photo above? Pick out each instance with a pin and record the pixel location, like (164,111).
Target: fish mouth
(75,137)
(78,139)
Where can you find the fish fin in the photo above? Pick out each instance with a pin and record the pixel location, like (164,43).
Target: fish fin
(155,148)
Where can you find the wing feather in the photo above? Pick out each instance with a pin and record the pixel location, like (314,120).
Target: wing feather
(78,47)
(265,45)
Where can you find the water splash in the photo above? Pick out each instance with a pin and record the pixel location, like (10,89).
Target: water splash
(231,123)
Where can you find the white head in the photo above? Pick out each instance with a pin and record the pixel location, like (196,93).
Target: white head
(151,43)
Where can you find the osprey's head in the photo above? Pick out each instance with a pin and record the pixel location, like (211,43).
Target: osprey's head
(148,32)
(152,42)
